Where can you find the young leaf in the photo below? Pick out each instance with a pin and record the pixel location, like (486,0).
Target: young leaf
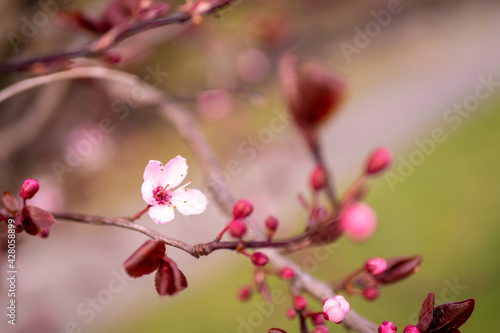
(169,279)
(37,219)
(145,259)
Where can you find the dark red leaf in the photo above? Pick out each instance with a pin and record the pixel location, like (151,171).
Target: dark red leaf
(325,230)
(169,279)
(398,269)
(146,259)
(426,313)
(37,219)
(276,330)
(10,202)
(450,316)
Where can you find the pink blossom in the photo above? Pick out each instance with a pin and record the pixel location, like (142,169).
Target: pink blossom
(358,221)
(387,327)
(158,191)
(376,266)
(335,309)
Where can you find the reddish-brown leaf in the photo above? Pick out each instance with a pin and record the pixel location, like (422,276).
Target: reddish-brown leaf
(169,279)
(398,269)
(426,313)
(276,330)
(449,317)
(311,91)
(146,259)
(10,202)
(37,219)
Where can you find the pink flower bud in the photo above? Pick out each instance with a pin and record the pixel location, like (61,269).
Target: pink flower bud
(299,303)
(358,221)
(335,309)
(318,178)
(287,273)
(272,223)
(237,228)
(387,327)
(411,329)
(370,293)
(29,188)
(242,209)
(290,314)
(379,160)
(376,266)
(111,57)
(318,319)
(44,233)
(244,293)
(259,259)
(320,329)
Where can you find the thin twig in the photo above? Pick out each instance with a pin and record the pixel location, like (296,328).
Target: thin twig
(90,50)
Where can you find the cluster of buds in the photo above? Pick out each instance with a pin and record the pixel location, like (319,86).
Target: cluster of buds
(377,272)
(334,309)
(358,220)
(32,219)
(237,227)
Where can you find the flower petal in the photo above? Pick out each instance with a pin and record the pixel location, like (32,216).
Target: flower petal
(155,173)
(161,213)
(189,202)
(175,171)
(147,192)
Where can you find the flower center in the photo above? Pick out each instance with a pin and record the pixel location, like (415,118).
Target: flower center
(161,195)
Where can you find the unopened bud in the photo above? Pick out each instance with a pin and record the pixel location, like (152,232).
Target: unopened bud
(290,314)
(335,309)
(29,188)
(318,319)
(318,178)
(259,259)
(237,228)
(44,233)
(244,294)
(299,303)
(287,273)
(379,160)
(321,329)
(242,209)
(387,327)
(411,329)
(370,293)
(376,266)
(272,223)
(358,221)
(311,91)
(111,57)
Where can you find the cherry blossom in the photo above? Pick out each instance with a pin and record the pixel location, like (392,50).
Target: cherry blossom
(158,190)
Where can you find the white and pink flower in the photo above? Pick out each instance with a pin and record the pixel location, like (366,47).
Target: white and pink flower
(160,193)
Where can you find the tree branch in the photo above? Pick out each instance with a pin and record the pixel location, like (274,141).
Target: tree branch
(190,130)
(96,48)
